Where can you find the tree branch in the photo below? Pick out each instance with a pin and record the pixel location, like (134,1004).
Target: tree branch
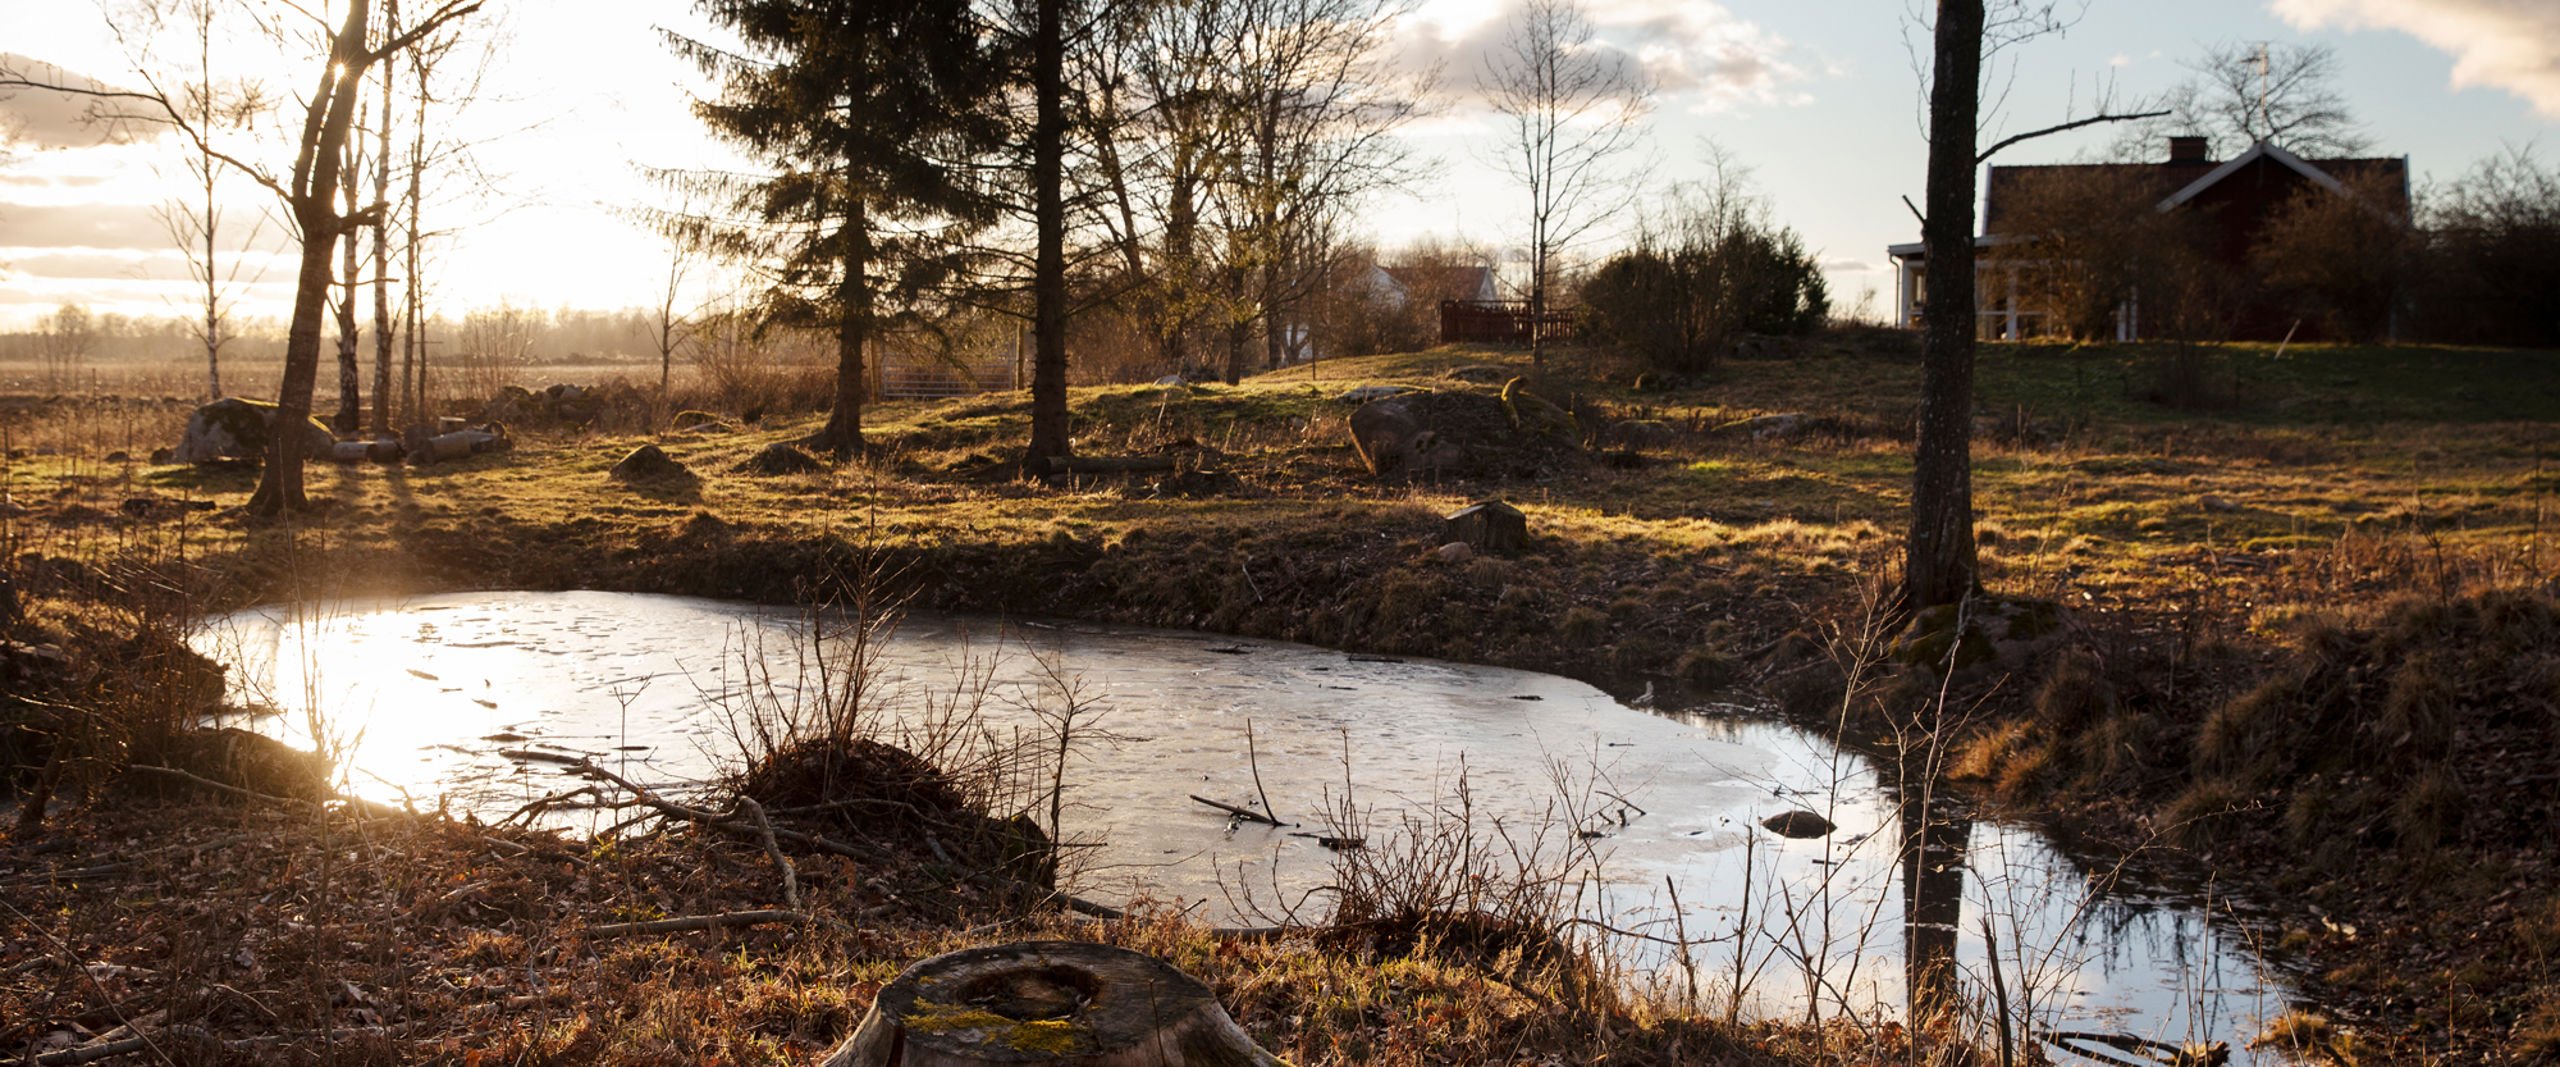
(2074,124)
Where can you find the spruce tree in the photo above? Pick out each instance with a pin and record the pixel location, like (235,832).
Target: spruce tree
(872,118)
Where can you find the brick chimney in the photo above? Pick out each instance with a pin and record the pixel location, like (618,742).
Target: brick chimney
(2189,150)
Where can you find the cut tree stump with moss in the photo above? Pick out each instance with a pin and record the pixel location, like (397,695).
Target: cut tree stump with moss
(1047,1002)
(1488,526)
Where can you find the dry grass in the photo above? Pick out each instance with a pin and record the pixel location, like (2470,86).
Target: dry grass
(2206,553)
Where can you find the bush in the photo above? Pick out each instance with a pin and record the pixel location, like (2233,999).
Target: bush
(1681,302)
(2492,255)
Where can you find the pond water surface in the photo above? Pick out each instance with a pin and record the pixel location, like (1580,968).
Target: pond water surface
(427,695)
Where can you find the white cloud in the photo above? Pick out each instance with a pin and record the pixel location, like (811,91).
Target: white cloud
(2507,44)
(1696,53)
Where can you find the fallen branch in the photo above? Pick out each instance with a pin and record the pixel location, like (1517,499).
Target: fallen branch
(1253,759)
(91,1053)
(698,922)
(1110,464)
(719,821)
(790,874)
(1247,814)
(545,804)
(251,794)
(536,755)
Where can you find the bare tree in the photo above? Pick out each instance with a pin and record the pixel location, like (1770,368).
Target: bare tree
(1573,110)
(196,225)
(382,237)
(2284,94)
(309,192)
(673,320)
(350,186)
(1940,565)
(63,342)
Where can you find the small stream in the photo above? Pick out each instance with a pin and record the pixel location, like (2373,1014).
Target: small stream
(428,694)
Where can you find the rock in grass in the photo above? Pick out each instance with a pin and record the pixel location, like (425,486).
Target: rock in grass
(649,464)
(235,428)
(1768,427)
(780,458)
(1366,393)
(690,419)
(1798,824)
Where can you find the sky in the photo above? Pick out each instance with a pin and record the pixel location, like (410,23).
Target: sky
(1816,98)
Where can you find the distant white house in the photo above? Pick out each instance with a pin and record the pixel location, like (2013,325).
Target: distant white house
(1432,284)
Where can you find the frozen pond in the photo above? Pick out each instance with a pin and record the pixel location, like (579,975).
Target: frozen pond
(426,694)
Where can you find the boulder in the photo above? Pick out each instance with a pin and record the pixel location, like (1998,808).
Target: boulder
(780,458)
(1983,631)
(1391,439)
(1641,434)
(1456,433)
(1768,427)
(1490,526)
(649,464)
(243,759)
(1799,825)
(453,443)
(234,428)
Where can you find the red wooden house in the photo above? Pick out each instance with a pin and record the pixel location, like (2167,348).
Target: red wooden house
(2237,196)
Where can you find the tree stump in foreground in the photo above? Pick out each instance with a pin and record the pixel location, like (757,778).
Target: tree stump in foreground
(1047,1002)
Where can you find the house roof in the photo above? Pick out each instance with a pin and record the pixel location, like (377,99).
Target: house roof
(2178,182)
(1441,281)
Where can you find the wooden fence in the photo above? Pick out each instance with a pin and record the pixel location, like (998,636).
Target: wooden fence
(912,378)
(1503,322)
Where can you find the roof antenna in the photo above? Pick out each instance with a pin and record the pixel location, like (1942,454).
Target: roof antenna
(2265,67)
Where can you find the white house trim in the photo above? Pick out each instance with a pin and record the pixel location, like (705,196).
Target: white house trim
(2256,151)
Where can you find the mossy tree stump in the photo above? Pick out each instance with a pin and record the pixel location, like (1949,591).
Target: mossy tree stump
(1489,526)
(1047,1002)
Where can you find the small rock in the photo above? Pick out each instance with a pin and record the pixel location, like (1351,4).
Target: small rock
(2210,502)
(649,463)
(162,455)
(119,457)
(780,458)
(1366,393)
(1798,824)
(1455,552)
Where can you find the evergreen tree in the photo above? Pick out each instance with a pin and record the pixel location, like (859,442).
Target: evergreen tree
(873,118)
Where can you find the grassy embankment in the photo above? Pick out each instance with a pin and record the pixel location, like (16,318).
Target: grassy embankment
(2215,555)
